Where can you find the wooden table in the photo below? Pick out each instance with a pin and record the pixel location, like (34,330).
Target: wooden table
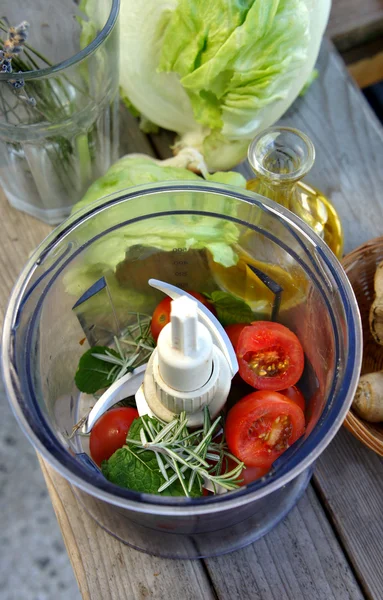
(356,28)
(330,545)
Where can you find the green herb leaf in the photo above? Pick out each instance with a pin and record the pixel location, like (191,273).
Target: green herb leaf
(131,468)
(136,426)
(92,373)
(127,402)
(137,472)
(230,309)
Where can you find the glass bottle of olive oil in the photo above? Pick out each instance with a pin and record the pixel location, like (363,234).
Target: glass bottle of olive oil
(280,157)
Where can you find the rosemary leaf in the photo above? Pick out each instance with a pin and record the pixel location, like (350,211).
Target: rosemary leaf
(108,358)
(181,458)
(181,478)
(143,437)
(161,466)
(164,431)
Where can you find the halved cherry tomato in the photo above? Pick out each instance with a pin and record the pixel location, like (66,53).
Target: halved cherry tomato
(261,426)
(270,356)
(234,331)
(294,394)
(110,431)
(161,315)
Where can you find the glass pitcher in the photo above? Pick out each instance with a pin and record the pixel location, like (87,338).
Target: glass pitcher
(280,157)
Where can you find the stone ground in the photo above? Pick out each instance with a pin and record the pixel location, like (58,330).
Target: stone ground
(34,564)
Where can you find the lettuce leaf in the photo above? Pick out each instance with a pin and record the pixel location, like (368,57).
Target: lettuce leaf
(165,233)
(216,71)
(140,169)
(235,57)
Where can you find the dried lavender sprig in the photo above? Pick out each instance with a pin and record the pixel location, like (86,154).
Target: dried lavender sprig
(12,47)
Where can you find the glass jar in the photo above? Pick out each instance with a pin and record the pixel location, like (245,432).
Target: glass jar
(58,101)
(280,157)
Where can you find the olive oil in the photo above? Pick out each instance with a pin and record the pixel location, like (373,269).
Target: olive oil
(241,280)
(280,157)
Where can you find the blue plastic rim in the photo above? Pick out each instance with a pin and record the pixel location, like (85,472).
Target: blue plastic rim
(289,466)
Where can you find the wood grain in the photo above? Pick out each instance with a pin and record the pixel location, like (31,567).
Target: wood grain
(349,168)
(302,556)
(299,559)
(131,137)
(106,569)
(349,478)
(354,22)
(20,234)
(368,70)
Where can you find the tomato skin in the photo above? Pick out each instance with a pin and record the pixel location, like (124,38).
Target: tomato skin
(234,331)
(314,409)
(109,432)
(252,474)
(293,393)
(260,414)
(161,315)
(275,344)
(203,300)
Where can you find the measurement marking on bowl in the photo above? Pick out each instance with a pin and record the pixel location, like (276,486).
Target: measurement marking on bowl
(178,273)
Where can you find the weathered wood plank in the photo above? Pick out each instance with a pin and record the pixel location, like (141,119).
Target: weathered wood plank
(356,508)
(20,234)
(299,559)
(345,170)
(106,569)
(131,137)
(349,168)
(367,71)
(353,22)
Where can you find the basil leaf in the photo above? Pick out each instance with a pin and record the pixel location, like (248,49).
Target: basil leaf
(92,373)
(230,309)
(139,471)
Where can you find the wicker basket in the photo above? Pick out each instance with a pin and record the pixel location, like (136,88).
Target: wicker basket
(360,265)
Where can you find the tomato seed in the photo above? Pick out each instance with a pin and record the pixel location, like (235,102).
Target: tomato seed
(267,363)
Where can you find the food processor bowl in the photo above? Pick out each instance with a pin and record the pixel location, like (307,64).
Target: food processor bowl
(85,281)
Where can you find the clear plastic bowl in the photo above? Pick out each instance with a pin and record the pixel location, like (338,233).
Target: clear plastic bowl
(176,232)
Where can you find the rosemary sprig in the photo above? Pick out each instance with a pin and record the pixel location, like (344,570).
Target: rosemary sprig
(186,453)
(140,339)
(100,366)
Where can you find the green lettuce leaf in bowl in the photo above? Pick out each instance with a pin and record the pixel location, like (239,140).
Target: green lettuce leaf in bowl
(114,254)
